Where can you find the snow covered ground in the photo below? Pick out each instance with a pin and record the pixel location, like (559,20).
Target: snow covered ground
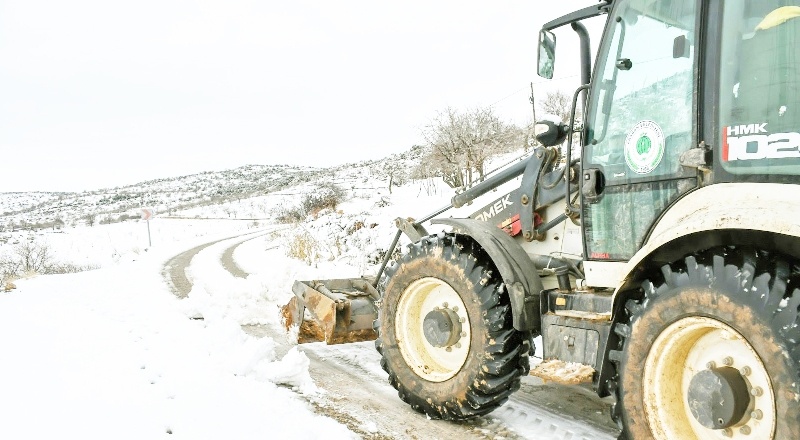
(112,353)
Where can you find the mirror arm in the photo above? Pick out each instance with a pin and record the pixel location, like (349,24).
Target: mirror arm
(581,14)
(586,55)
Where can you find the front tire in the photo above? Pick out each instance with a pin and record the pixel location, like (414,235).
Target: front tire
(712,351)
(445,330)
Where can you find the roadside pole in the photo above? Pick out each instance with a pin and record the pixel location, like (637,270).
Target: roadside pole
(146,214)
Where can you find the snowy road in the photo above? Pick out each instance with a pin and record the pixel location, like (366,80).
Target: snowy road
(357,391)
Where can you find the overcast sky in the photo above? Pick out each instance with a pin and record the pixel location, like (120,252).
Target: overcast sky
(96,94)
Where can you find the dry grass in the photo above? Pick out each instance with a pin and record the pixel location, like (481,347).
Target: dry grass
(303,247)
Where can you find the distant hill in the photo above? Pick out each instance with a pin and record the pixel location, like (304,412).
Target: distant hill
(172,196)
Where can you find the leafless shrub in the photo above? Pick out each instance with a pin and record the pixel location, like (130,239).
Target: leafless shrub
(90,219)
(326,196)
(62,268)
(27,257)
(283,214)
(32,257)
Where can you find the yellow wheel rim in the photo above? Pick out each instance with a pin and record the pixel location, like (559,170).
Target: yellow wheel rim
(686,348)
(432,363)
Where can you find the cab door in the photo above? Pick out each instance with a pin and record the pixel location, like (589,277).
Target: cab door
(640,120)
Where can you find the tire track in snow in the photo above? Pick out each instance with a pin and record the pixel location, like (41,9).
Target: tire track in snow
(175,268)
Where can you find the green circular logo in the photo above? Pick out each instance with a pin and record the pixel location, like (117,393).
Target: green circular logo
(643,144)
(644,147)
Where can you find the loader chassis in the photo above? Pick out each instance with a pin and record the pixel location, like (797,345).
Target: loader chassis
(665,260)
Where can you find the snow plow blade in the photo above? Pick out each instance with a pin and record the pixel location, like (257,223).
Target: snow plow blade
(334,311)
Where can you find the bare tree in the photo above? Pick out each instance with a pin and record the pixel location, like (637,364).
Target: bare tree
(557,103)
(425,171)
(461,143)
(445,149)
(395,172)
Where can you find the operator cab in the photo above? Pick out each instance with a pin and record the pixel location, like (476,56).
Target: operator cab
(691,123)
(685,94)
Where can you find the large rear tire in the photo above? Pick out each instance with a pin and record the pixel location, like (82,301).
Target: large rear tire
(445,330)
(711,351)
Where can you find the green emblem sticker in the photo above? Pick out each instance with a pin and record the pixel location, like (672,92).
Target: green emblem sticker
(644,147)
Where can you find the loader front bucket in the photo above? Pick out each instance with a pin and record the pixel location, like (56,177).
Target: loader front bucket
(334,311)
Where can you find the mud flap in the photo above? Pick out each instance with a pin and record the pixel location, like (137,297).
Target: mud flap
(333,311)
(515,266)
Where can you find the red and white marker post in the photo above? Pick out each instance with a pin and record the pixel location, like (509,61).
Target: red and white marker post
(147,213)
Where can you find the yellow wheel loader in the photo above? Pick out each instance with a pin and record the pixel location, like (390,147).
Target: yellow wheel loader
(664,259)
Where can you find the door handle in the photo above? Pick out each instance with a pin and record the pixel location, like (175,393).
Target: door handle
(593,183)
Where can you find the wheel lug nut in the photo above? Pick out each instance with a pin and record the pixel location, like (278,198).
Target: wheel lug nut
(462,320)
(458,345)
(745,371)
(757,414)
(445,305)
(757,391)
(744,430)
(727,432)
(728,361)
(711,365)
(448,349)
(463,334)
(455,308)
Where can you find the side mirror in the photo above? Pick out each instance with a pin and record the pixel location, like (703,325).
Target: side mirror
(550,132)
(547,54)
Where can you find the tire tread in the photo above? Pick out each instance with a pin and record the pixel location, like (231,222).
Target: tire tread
(505,361)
